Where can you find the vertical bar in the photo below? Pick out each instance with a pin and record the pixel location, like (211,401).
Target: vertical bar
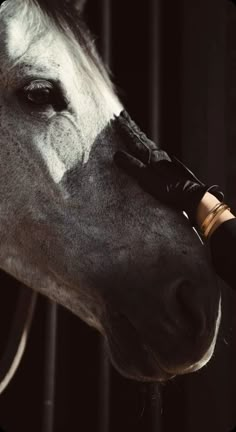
(217,93)
(155,402)
(104,396)
(50,367)
(155,70)
(106,32)
(203,139)
(155,395)
(105,369)
(203,88)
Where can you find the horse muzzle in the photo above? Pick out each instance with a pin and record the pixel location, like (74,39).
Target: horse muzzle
(178,338)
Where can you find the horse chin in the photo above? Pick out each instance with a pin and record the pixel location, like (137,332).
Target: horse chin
(134,357)
(140,364)
(130,357)
(135,361)
(152,374)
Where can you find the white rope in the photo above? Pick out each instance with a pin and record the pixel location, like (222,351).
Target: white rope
(16,361)
(20,348)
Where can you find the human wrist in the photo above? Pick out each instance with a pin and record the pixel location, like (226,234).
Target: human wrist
(207,202)
(227,215)
(205,206)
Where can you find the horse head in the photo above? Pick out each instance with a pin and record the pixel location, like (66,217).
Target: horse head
(72,225)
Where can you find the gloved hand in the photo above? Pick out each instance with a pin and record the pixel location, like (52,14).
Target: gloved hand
(164,177)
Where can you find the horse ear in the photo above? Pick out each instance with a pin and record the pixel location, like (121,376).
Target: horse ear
(80,4)
(77,4)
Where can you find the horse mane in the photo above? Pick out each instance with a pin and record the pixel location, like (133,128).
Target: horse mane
(66,16)
(68,19)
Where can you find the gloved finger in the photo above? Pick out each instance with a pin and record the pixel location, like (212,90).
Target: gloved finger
(129,164)
(167,171)
(158,156)
(184,170)
(161,171)
(136,141)
(162,166)
(214,189)
(147,178)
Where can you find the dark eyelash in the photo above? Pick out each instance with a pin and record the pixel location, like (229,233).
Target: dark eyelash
(38,86)
(60,102)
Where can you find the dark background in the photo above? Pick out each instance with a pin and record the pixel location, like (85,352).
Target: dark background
(196,121)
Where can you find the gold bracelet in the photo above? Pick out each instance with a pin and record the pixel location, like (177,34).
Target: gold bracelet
(211,223)
(210,215)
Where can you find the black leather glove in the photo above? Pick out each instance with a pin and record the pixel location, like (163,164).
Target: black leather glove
(164,177)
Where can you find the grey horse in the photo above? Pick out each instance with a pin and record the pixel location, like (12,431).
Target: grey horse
(72,225)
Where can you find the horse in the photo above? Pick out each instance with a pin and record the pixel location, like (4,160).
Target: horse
(74,227)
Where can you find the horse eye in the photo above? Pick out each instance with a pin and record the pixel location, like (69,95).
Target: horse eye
(43,96)
(40,94)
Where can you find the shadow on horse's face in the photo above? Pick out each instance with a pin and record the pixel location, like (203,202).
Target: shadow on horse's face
(75,228)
